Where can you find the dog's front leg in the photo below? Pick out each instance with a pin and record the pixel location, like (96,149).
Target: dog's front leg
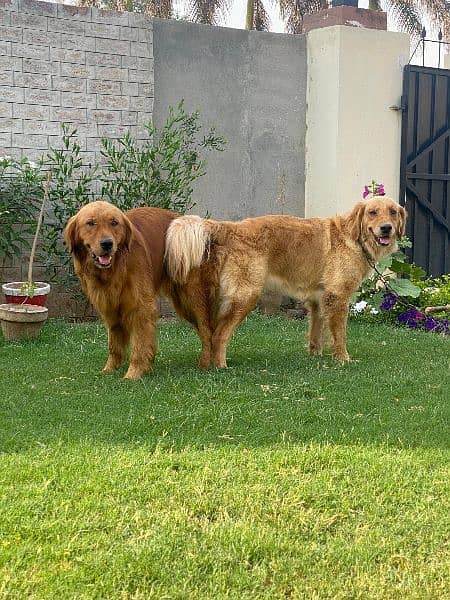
(117,345)
(336,311)
(143,341)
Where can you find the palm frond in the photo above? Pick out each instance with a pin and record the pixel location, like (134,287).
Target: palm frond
(158,8)
(152,8)
(293,11)
(438,12)
(261,20)
(210,12)
(407,16)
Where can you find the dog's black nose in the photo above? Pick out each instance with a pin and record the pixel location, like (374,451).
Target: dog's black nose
(386,228)
(106,244)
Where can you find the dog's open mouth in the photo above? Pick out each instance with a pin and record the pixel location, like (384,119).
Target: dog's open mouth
(383,241)
(103,261)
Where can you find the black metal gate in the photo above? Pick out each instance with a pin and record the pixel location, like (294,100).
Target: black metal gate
(425,165)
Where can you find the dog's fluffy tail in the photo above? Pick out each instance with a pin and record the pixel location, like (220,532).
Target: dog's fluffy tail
(186,241)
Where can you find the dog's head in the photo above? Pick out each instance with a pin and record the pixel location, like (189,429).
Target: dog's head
(97,232)
(379,223)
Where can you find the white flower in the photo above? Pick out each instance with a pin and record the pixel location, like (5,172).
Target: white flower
(5,157)
(32,164)
(359,306)
(373,311)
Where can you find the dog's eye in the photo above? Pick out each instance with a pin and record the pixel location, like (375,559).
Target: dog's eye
(114,223)
(90,223)
(373,212)
(393,212)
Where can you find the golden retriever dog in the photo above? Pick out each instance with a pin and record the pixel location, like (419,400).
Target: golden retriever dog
(218,269)
(118,257)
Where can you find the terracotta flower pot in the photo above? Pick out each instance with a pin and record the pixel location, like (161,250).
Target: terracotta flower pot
(14,295)
(22,321)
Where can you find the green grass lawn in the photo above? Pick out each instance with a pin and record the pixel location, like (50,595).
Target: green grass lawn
(284,476)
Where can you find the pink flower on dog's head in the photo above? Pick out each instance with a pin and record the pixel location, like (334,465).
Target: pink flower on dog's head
(380,190)
(374,188)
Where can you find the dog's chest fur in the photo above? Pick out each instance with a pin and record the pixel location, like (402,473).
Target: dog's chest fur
(103,288)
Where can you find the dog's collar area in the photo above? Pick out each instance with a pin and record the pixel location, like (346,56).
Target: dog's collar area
(366,253)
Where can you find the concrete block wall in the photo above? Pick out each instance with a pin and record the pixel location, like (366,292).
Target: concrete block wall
(84,66)
(251,86)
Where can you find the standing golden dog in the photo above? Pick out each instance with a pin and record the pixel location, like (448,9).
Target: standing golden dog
(219,269)
(118,258)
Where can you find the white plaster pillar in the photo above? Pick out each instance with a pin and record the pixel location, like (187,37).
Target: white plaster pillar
(352,135)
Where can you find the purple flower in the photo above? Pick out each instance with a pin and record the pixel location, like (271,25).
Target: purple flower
(411,318)
(389,301)
(379,189)
(442,326)
(431,324)
(366,192)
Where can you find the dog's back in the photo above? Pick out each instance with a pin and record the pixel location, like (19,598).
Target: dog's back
(152,223)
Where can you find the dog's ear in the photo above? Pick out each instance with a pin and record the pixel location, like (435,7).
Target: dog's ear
(355,220)
(128,232)
(401,225)
(71,234)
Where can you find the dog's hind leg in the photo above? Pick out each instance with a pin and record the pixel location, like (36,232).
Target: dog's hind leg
(227,323)
(197,313)
(316,327)
(205,334)
(118,339)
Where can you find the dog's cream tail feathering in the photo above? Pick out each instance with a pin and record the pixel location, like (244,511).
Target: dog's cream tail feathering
(186,240)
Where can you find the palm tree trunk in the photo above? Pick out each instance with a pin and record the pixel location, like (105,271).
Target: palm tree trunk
(250,14)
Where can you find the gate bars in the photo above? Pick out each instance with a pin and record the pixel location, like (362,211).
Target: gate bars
(424,40)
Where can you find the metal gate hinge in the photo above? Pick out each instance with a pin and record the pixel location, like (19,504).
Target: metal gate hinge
(402,107)
(397,108)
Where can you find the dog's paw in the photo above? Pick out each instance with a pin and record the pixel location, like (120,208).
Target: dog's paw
(204,361)
(315,350)
(133,374)
(342,357)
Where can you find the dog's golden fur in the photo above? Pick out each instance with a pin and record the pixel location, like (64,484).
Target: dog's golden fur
(118,258)
(219,269)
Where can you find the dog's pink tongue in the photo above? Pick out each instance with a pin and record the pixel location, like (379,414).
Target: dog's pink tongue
(385,241)
(104,260)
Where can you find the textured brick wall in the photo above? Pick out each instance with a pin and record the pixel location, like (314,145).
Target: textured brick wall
(62,63)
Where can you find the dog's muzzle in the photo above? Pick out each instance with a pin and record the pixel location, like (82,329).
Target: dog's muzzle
(103,261)
(386,235)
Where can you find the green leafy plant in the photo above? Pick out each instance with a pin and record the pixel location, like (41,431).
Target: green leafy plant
(434,291)
(161,170)
(394,274)
(21,191)
(72,186)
